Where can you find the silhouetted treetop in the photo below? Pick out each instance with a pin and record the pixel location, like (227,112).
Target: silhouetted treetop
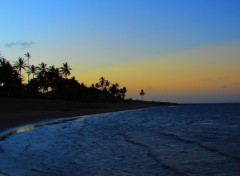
(65,69)
(52,82)
(142,93)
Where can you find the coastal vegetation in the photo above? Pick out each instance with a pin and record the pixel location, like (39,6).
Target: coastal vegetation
(142,93)
(52,82)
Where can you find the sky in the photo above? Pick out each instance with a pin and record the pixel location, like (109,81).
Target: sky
(185,51)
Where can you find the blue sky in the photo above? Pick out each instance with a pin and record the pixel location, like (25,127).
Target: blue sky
(165,25)
(103,33)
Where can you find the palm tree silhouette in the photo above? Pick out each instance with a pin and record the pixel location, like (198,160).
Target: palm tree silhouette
(57,73)
(142,93)
(53,73)
(123,92)
(6,71)
(114,89)
(49,82)
(10,81)
(42,69)
(97,85)
(65,70)
(19,65)
(102,82)
(42,76)
(107,84)
(28,55)
(51,77)
(32,70)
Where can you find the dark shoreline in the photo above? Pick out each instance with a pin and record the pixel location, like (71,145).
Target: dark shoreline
(17,112)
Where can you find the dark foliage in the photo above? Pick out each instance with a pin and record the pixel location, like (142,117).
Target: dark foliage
(53,83)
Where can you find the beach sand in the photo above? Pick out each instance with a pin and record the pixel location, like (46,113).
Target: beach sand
(17,112)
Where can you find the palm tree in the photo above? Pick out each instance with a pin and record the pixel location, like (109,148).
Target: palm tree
(28,55)
(142,93)
(107,84)
(51,72)
(97,85)
(123,92)
(42,76)
(42,69)
(19,65)
(65,70)
(53,77)
(52,69)
(102,82)
(32,70)
(6,71)
(10,81)
(57,73)
(54,72)
(114,89)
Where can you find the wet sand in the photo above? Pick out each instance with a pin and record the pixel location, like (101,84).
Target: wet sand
(17,112)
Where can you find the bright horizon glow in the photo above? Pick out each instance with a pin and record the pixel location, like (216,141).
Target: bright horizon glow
(179,51)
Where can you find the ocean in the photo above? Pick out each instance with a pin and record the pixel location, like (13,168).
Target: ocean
(189,140)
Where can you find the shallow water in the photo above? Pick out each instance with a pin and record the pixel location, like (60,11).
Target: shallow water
(185,140)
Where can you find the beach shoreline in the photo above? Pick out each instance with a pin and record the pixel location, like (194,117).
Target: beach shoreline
(20,112)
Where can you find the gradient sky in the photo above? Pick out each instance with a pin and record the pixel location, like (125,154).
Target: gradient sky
(176,50)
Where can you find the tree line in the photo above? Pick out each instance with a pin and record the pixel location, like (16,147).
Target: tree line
(45,81)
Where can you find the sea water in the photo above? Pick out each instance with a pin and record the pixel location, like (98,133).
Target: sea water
(167,141)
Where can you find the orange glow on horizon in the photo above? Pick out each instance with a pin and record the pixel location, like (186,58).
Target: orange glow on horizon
(183,73)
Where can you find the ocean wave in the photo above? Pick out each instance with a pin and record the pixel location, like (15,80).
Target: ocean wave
(147,142)
(151,154)
(189,141)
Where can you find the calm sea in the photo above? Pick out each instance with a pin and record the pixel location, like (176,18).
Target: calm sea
(191,140)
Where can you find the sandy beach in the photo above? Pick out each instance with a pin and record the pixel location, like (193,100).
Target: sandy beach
(17,112)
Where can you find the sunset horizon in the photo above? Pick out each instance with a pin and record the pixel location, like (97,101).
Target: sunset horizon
(183,52)
(120,87)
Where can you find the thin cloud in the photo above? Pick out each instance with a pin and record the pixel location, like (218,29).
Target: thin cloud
(22,44)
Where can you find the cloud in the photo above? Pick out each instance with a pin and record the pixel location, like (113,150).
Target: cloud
(22,44)
(225,86)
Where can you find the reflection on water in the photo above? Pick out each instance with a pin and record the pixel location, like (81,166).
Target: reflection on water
(187,140)
(25,128)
